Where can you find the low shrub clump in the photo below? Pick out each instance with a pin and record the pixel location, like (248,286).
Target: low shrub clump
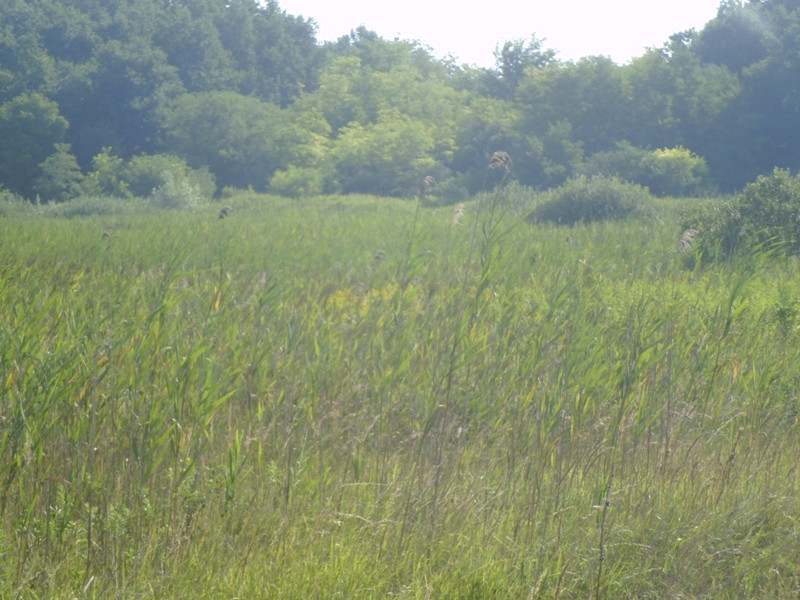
(587,199)
(665,172)
(766,214)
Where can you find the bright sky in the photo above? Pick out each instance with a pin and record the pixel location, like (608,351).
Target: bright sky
(621,29)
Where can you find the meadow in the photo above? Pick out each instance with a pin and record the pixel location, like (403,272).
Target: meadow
(366,398)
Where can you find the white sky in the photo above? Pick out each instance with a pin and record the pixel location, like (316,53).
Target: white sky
(470,30)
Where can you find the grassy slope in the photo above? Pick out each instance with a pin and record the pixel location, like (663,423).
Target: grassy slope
(320,399)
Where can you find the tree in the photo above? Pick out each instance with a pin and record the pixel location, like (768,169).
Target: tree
(739,36)
(561,154)
(514,58)
(675,99)
(755,132)
(193,44)
(25,65)
(30,126)
(341,95)
(592,95)
(275,55)
(241,139)
(390,157)
(482,127)
(380,55)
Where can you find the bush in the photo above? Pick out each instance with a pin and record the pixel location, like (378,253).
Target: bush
(146,173)
(675,172)
(142,176)
(711,231)
(176,193)
(296,182)
(586,199)
(666,172)
(107,177)
(765,214)
(60,176)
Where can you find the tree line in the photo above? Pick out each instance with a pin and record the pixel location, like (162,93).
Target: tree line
(102,96)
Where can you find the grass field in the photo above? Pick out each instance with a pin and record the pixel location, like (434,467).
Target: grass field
(360,398)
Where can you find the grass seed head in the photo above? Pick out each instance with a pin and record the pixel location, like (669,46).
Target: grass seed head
(427,184)
(458,213)
(500,160)
(687,238)
(377,259)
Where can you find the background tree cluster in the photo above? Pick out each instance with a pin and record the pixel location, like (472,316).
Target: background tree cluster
(242,90)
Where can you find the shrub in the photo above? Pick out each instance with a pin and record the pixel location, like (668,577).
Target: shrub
(296,182)
(666,172)
(714,231)
(60,176)
(146,173)
(143,175)
(765,214)
(675,172)
(107,177)
(587,199)
(177,192)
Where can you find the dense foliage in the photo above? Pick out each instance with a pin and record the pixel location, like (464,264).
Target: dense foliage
(243,89)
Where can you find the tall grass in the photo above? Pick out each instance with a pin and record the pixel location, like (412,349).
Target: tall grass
(357,398)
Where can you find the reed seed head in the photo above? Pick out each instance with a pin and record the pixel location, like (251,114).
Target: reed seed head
(380,255)
(500,160)
(687,239)
(427,184)
(458,213)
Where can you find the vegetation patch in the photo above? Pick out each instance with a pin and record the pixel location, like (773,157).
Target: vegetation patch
(587,199)
(676,172)
(765,215)
(372,398)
